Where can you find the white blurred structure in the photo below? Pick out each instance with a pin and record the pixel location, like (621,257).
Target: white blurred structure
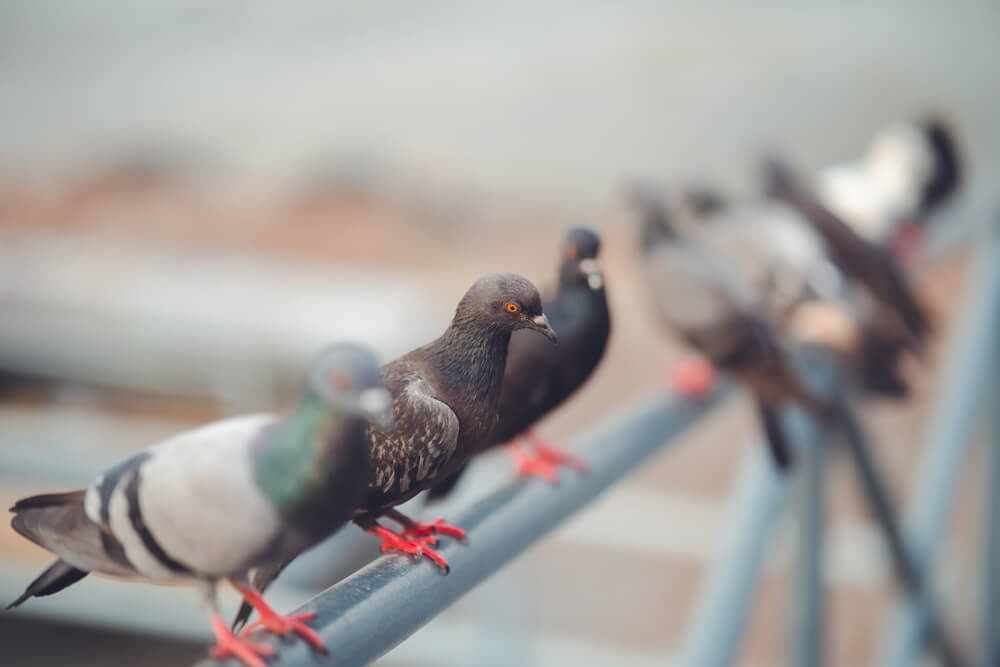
(236,328)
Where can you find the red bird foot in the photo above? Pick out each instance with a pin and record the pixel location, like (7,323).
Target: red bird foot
(416,547)
(549,454)
(429,531)
(228,645)
(695,378)
(437,527)
(281,625)
(532,466)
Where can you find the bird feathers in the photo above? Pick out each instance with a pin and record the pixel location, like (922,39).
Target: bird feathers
(59,523)
(423,442)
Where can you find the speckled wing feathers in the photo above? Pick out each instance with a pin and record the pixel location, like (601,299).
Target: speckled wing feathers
(421,445)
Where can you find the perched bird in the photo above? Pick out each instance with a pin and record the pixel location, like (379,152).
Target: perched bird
(445,398)
(815,292)
(218,501)
(868,264)
(909,170)
(539,376)
(701,296)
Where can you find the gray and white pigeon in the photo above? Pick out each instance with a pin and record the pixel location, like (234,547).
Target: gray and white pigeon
(216,502)
(887,196)
(704,297)
(816,286)
(445,398)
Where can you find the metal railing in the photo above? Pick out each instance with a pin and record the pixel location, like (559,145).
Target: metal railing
(364,616)
(370,612)
(970,381)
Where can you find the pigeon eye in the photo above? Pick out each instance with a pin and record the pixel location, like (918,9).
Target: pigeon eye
(571,251)
(512,307)
(340,381)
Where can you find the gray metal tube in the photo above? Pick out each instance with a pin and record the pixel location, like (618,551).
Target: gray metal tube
(718,619)
(990,625)
(950,422)
(910,575)
(373,610)
(807,619)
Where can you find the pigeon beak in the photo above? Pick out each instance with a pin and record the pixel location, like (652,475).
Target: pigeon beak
(376,405)
(542,326)
(592,269)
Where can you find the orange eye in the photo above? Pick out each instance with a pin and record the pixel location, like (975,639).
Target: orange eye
(512,308)
(340,381)
(571,251)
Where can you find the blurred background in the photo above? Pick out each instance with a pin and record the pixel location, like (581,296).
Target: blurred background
(194,197)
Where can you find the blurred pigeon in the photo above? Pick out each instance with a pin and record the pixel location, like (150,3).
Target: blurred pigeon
(215,502)
(705,299)
(870,265)
(788,264)
(540,376)
(445,397)
(908,171)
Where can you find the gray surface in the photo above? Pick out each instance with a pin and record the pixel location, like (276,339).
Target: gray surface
(560,98)
(231,326)
(29,642)
(367,614)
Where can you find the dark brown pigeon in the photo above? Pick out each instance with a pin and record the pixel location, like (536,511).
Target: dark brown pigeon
(540,376)
(445,402)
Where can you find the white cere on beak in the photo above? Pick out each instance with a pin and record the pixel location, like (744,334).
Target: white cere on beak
(376,403)
(592,268)
(541,320)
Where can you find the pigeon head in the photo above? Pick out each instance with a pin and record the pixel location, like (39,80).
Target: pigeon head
(346,377)
(656,222)
(579,258)
(504,302)
(946,175)
(581,242)
(702,201)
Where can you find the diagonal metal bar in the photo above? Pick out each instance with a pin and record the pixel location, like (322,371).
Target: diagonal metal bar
(950,424)
(373,610)
(909,573)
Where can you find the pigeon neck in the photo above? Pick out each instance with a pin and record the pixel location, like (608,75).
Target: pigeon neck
(295,459)
(656,228)
(570,275)
(471,359)
(573,279)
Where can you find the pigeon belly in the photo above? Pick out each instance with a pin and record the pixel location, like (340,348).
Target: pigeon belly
(195,508)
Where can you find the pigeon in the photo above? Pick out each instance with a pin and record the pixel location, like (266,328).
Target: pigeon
(539,376)
(218,501)
(909,170)
(445,398)
(812,297)
(701,296)
(868,264)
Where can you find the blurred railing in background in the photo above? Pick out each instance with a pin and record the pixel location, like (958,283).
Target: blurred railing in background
(364,616)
